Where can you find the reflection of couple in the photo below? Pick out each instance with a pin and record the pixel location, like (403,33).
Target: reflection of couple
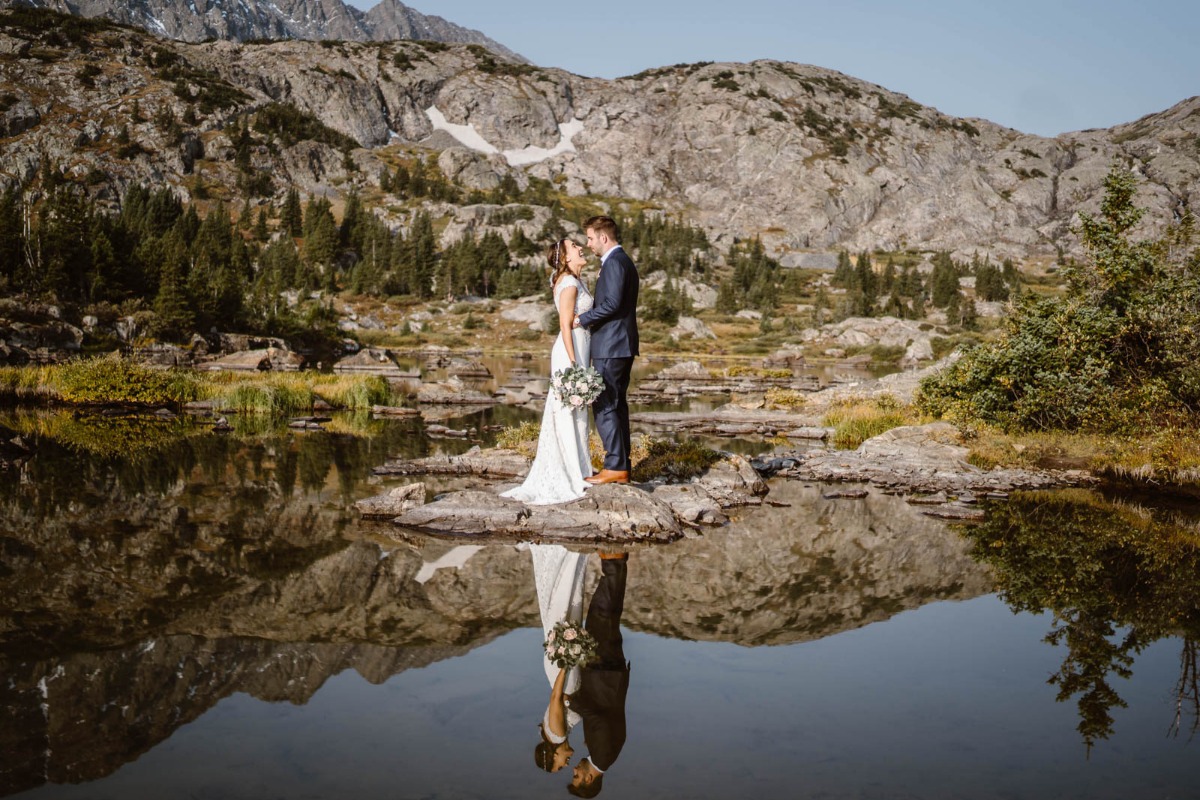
(603,330)
(595,693)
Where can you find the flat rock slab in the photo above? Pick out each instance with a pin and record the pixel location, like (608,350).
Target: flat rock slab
(918,460)
(732,420)
(609,513)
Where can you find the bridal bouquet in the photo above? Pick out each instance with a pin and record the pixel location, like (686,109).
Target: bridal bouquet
(569,645)
(577,387)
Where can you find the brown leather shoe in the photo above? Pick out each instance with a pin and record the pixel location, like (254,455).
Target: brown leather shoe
(609,476)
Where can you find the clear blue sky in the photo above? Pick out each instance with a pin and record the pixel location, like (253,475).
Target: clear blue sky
(1043,67)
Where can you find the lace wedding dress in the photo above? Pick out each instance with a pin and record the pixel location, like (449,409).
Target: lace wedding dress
(558,575)
(562,460)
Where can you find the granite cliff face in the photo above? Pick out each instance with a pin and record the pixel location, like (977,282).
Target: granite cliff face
(808,158)
(244,20)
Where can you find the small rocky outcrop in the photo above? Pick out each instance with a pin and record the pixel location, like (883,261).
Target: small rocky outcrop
(918,460)
(393,503)
(692,379)
(271,359)
(453,392)
(654,511)
(611,513)
(372,361)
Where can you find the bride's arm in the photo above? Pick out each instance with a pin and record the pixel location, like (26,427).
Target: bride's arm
(566,318)
(558,712)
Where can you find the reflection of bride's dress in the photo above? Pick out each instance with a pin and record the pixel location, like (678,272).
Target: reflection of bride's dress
(562,460)
(558,575)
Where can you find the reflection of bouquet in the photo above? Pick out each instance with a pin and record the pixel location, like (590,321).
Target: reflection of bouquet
(576,386)
(569,645)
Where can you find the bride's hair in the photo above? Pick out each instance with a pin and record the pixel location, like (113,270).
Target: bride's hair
(543,754)
(556,256)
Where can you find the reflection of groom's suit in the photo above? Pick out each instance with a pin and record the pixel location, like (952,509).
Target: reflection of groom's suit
(600,700)
(613,323)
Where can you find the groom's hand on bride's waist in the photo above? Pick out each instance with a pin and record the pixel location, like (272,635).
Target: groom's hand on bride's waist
(575,323)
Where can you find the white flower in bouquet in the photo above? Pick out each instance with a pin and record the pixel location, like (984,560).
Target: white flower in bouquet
(577,386)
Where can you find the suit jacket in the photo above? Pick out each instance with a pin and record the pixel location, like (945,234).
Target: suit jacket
(612,319)
(600,701)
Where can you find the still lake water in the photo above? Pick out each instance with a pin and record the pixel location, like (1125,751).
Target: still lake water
(204,616)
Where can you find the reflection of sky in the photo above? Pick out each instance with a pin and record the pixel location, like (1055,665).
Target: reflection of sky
(948,701)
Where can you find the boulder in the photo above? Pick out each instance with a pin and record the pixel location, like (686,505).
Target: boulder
(532,314)
(609,513)
(692,328)
(372,361)
(393,503)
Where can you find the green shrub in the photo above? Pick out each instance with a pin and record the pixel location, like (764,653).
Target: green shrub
(1118,351)
(113,379)
(677,461)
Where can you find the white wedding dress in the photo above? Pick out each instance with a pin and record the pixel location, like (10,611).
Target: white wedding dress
(558,575)
(562,460)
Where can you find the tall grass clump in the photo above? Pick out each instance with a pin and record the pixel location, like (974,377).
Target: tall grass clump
(664,458)
(855,420)
(21,384)
(354,391)
(522,438)
(294,392)
(273,397)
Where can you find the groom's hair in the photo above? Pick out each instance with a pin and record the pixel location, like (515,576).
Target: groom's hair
(605,225)
(587,790)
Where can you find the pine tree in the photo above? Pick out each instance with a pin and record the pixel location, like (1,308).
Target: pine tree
(291,219)
(172,307)
(261,234)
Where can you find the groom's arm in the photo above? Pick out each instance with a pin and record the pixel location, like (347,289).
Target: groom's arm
(608,293)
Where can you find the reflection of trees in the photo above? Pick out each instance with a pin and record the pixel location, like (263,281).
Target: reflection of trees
(1116,579)
(88,459)
(1187,691)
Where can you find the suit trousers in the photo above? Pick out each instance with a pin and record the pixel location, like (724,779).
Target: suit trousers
(604,615)
(611,411)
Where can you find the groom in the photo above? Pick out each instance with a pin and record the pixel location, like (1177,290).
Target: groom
(604,684)
(613,323)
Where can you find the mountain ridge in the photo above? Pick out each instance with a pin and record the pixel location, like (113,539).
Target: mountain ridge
(247,20)
(805,157)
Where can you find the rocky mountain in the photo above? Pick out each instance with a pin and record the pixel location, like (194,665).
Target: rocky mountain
(807,158)
(243,20)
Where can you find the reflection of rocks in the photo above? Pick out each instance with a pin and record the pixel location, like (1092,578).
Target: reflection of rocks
(485,463)
(802,572)
(183,609)
(84,715)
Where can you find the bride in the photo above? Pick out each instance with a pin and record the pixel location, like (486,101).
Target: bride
(562,460)
(558,575)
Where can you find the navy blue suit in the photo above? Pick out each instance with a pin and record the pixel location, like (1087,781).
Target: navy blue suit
(613,323)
